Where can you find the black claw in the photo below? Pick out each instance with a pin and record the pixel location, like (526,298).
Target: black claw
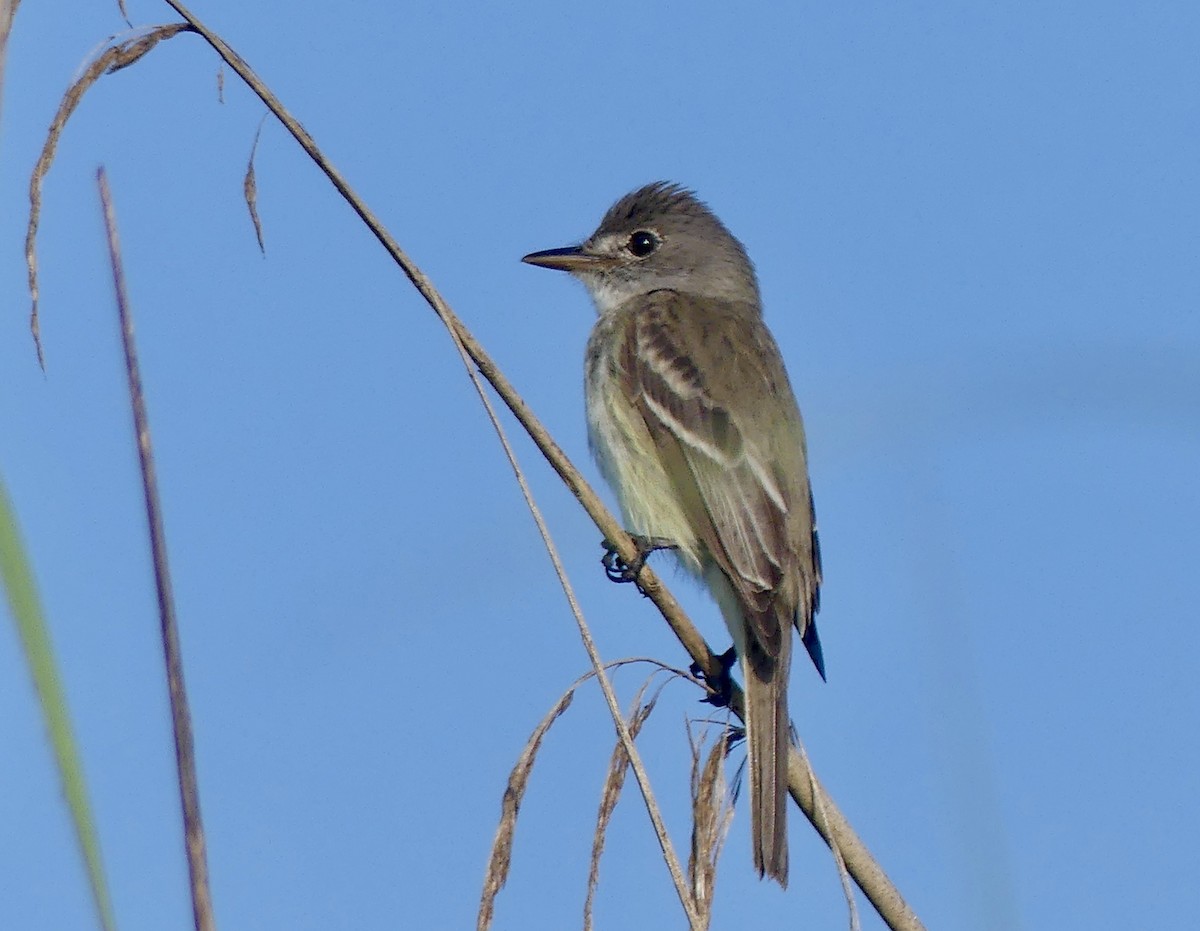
(615,567)
(618,570)
(722,686)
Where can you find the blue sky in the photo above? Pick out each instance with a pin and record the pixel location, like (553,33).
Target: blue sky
(976,235)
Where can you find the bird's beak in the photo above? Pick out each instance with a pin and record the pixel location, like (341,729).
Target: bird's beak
(570,259)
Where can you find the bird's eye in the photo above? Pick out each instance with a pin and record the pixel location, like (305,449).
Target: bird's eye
(642,243)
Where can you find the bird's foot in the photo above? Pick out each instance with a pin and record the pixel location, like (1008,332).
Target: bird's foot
(720,688)
(618,570)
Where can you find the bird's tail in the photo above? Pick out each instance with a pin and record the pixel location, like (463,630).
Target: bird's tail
(767,739)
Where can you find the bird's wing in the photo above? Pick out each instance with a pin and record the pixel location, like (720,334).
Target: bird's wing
(713,390)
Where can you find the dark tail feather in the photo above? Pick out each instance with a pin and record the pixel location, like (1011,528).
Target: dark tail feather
(812,643)
(767,739)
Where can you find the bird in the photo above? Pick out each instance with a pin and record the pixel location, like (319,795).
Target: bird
(694,424)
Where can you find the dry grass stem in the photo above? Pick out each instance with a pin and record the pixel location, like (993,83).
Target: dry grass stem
(610,794)
(8,10)
(807,792)
(865,870)
(609,526)
(185,754)
(501,856)
(250,188)
(712,815)
(500,861)
(114,58)
(838,859)
(598,666)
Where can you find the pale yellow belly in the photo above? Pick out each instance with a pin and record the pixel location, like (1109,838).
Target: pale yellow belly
(629,461)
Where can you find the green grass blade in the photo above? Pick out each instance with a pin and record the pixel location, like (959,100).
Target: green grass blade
(35,641)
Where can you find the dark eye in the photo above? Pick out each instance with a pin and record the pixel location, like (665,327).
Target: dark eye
(642,243)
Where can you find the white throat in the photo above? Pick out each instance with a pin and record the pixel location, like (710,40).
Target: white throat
(608,294)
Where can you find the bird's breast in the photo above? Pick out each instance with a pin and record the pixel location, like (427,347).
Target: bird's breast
(626,452)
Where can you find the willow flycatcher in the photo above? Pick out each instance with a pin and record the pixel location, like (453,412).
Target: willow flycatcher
(693,422)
